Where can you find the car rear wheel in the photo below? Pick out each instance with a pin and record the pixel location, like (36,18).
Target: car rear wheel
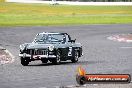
(57,60)
(76,56)
(24,61)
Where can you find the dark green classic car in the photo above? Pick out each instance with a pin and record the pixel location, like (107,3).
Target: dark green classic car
(53,47)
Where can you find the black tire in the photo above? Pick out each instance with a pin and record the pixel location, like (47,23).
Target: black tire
(24,61)
(81,80)
(44,60)
(75,58)
(57,60)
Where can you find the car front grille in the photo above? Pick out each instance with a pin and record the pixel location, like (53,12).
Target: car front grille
(37,51)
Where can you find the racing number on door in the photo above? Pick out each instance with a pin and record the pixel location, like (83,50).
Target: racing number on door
(70,51)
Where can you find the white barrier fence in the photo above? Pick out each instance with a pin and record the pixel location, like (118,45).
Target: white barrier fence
(71,2)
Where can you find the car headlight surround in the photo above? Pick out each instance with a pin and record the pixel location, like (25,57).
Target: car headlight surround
(51,48)
(22,47)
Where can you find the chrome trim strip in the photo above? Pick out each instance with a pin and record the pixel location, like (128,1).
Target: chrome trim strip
(41,56)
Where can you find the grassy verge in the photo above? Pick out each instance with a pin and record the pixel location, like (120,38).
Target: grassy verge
(2,0)
(13,14)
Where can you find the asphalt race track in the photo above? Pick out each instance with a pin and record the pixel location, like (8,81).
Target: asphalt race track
(100,55)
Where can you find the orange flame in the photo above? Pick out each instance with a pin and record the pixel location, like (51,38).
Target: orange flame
(81,71)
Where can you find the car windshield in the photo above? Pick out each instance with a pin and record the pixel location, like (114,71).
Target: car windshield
(50,38)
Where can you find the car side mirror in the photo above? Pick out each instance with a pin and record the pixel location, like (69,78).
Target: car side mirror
(72,41)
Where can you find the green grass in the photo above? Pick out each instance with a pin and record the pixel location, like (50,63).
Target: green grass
(2,0)
(12,14)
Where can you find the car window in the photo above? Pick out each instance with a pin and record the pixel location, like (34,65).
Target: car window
(48,38)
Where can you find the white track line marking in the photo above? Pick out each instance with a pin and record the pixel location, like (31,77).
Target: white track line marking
(117,38)
(12,56)
(42,87)
(57,87)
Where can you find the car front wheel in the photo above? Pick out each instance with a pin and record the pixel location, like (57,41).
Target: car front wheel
(44,60)
(76,56)
(57,60)
(24,61)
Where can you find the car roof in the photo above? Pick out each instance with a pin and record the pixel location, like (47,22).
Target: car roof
(51,33)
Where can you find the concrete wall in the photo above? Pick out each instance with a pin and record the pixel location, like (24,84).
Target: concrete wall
(72,3)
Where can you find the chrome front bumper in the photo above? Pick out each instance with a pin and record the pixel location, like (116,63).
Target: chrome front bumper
(36,56)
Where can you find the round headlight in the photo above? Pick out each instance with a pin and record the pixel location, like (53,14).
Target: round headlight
(51,47)
(22,47)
